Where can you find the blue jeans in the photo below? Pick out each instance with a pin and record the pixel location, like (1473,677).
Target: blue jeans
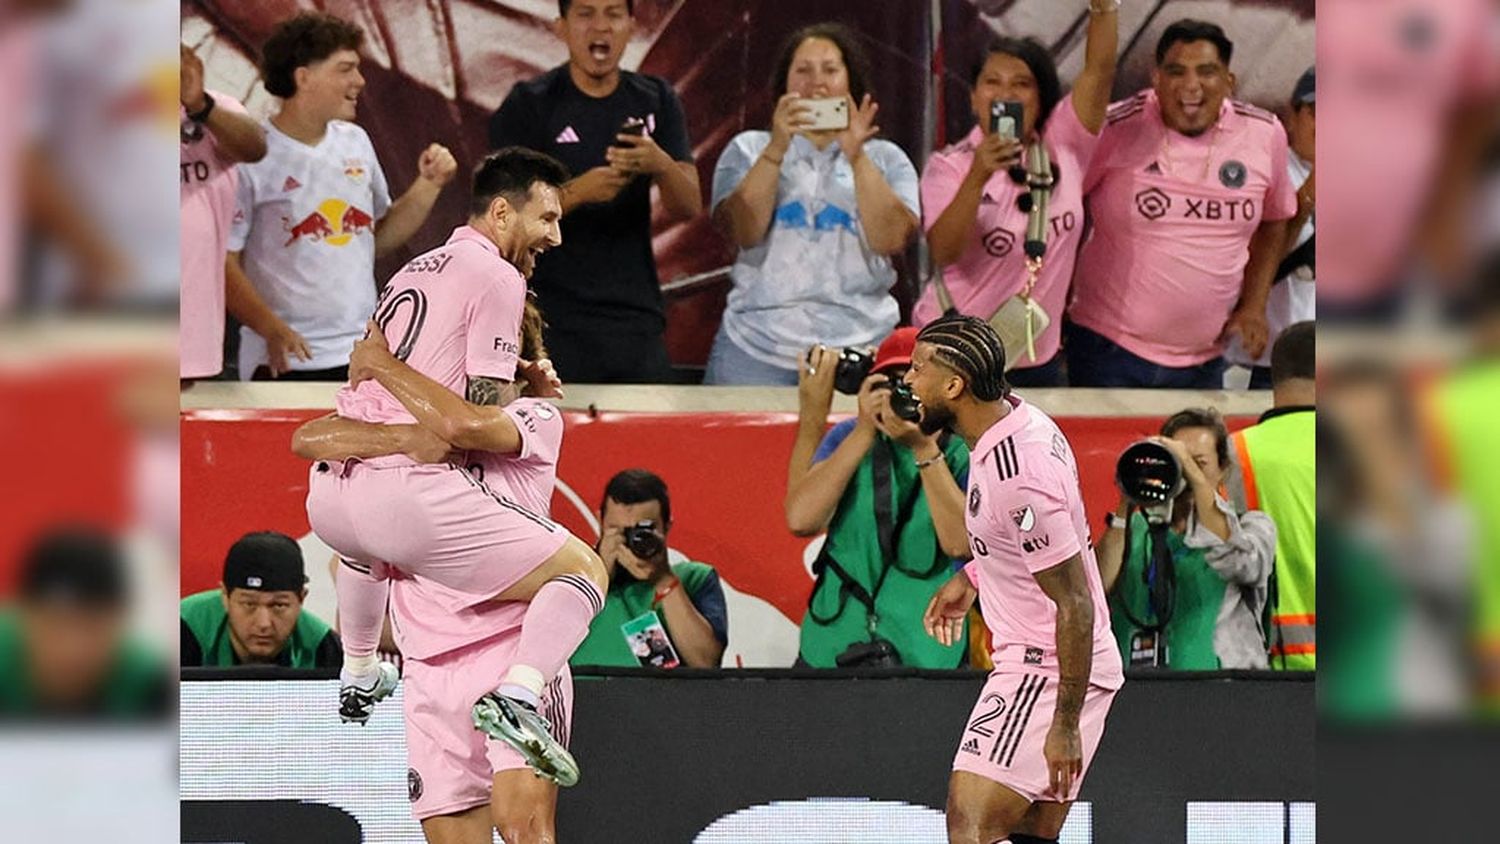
(1049,374)
(730,365)
(1096,361)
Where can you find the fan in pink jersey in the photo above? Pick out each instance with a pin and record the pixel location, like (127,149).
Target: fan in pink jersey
(448,327)
(1037,724)
(1188,192)
(217,133)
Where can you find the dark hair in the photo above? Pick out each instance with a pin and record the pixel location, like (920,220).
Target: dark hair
(1187,30)
(564,5)
(1294,354)
(1201,417)
(972,348)
(306,39)
(637,486)
(76,565)
(1038,58)
(533,326)
(510,172)
(856,63)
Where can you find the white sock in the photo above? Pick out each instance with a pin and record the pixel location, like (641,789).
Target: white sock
(523,683)
(361,665)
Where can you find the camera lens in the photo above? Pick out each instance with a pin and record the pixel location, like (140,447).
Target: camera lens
(1149,474)
(642,540)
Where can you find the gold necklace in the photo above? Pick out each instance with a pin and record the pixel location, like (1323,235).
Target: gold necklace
(1166,161)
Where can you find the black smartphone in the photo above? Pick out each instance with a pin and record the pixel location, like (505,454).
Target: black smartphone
(1006,118)
(632,126)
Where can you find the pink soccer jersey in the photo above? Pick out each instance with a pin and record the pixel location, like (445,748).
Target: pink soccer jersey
(1172,218)
(1399,72)
(1024,516)
(993,266)
(208,185)
(451,313)
(425,623)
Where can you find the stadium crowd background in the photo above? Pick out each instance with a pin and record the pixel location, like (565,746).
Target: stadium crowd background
(1444,116)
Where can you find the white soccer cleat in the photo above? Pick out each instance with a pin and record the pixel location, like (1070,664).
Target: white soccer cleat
(358,696)
(517,724)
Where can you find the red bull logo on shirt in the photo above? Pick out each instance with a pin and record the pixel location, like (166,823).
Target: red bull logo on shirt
(335,222)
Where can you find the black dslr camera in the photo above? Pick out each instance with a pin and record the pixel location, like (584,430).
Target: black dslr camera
(1149,475)
(642,540)
(878,653)
(854,367)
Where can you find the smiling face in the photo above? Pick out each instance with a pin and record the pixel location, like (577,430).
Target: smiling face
(330,88)
(596,32)
(1191,84)
(533,228)
(936,386)
(817,70)
(1006,78)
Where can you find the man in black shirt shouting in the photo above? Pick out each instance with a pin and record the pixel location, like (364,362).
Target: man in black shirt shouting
(619,132)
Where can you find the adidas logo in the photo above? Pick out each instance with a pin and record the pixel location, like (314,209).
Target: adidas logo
(567,136)
(1154,169)
(970,746)
(290,184)
(986,199)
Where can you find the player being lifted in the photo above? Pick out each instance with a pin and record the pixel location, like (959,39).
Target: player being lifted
(454,315)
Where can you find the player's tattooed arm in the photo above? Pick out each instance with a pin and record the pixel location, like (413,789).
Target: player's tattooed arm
(485,391)
(1067,585)
(477,423)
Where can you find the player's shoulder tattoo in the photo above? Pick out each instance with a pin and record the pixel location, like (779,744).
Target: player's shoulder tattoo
(484,391)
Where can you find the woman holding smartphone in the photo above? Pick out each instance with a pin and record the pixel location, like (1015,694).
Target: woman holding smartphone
(816,207)
(972,191)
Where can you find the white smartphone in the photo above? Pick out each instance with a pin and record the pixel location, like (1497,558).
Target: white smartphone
(827,113)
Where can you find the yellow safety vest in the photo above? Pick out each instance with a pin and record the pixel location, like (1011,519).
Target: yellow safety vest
(1277,474)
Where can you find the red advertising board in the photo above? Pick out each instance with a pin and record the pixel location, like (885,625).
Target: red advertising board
(726,472)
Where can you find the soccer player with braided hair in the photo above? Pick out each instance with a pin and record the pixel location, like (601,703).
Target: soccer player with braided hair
(1039,719)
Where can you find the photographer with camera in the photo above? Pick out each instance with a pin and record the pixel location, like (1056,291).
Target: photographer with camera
(656,614)
(620,134)
(817,206)
(891,499)
(1186,574)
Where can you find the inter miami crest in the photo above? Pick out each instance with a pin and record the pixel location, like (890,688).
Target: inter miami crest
(1232,174)
(413,785)
(974,501)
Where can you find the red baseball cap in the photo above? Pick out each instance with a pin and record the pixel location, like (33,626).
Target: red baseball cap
(896,349)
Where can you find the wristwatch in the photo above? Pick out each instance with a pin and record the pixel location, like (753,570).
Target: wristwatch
(201,115)
(1111,521)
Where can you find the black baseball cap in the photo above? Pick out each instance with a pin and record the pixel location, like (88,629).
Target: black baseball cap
(75,565)
(1304,93)
(267,561)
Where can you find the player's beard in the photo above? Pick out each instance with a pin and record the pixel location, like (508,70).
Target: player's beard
(934,419)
